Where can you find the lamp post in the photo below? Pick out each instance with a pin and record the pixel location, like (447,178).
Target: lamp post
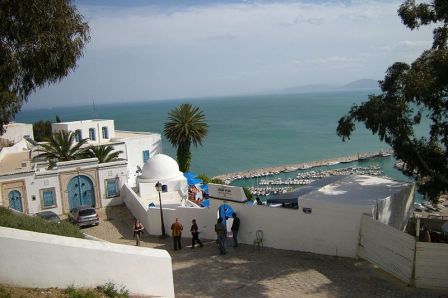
(159,189)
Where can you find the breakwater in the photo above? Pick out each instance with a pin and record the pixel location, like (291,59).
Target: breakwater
(268,171)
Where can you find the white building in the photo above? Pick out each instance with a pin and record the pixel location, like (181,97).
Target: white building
(165,170)
(15,132)
(137,147)
(31,187)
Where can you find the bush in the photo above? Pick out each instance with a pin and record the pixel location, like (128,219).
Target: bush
(71,292)
(20,221)
(110,290)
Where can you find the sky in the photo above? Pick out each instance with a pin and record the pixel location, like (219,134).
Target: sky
(162,50)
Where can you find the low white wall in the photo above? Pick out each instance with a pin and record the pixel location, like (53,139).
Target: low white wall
(30,259)
(136,206)
(324,231)
(20,146)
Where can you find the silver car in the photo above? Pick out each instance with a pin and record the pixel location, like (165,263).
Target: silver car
(84,216)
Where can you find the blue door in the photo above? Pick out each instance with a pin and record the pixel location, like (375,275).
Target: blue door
(15,200)
(80,192)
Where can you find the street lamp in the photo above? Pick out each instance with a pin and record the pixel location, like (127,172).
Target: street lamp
(159,189)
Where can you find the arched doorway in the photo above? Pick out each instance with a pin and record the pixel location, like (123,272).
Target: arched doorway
(15,200)
(80,192)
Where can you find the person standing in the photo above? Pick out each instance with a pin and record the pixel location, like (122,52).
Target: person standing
(176,232)
(235,228)
(138,231)
(195,234)
(221,232)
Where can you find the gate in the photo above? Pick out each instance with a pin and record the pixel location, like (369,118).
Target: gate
(390,249)
(80,192)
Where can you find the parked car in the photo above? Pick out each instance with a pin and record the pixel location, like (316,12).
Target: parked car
(49,215)
(84,216)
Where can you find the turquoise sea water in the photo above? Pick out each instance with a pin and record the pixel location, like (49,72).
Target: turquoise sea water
(246,132)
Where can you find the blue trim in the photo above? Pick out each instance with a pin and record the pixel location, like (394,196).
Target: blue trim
(146,156)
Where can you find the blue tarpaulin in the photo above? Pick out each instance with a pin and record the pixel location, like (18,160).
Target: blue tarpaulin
(204,187)
(192,178)
(205,203)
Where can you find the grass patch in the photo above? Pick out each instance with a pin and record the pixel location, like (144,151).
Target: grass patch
(4,293)
(109,289)
(113,291)
(19,221)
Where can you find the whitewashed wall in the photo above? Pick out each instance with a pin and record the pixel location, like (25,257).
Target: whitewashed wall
(136,206)
(134,151)
(38,260)
(84,126)
(116,170)
(16,131)
(19,146)
(431,265)
(33,187)
(326,231)
(34,183)
(387,247)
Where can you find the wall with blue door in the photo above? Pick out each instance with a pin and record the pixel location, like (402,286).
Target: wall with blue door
(80,188)
(14,195)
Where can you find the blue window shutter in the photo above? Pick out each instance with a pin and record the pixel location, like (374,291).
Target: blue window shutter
(145,155)
(48,198)
(112,188)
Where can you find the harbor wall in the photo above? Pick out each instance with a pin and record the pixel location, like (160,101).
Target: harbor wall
(37,260)
(302,165)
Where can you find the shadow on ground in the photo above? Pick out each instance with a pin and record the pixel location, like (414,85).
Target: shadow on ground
(249,272)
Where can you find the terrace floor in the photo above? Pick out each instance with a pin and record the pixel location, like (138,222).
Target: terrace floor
(249,272)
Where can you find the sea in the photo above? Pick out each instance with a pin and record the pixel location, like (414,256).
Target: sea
(247,132)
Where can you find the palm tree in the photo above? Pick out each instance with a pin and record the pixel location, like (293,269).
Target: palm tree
(103,153)
(186,125)
(61,146)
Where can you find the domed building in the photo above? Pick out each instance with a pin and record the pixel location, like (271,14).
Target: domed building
(164,169)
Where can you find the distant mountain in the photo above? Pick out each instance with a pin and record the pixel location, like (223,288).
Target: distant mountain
(362,84)
(359,84)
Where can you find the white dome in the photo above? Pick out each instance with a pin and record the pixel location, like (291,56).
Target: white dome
(160,167)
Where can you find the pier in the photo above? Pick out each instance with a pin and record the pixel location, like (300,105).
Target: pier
(269,171)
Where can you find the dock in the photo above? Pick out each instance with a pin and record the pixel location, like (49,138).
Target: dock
(268,171)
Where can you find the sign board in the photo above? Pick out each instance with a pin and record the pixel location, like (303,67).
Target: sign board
(226,192)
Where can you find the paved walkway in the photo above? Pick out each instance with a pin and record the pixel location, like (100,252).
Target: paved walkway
(249,272)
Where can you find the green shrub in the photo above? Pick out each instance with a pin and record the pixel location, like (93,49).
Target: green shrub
(71,292)
(20,221)
(110,290)
(4,293)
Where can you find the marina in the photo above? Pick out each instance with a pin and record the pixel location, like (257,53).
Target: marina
(266,187)
(272,171)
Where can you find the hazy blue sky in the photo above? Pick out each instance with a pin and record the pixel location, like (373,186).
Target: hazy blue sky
(163,49)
